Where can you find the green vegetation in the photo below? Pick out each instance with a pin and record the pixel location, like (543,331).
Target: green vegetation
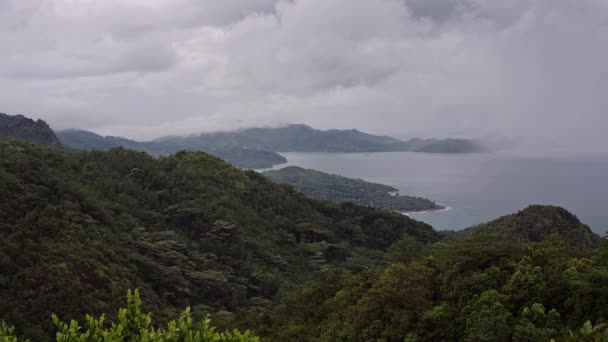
(535,223)
(480,288)
(80,228)
(336,188)
(134,325)
(238,156)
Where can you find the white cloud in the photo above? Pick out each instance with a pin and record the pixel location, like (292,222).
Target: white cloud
(522,68)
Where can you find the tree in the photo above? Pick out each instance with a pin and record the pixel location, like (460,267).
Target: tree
(135,325)
(535,324)
(487,319)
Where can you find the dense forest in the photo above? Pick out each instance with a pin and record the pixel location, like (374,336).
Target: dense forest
(81,228)
(321,185)
(491,286)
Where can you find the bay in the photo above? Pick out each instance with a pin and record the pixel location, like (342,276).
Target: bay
(478,188)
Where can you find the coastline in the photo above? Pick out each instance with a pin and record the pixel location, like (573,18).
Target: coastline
(443,208)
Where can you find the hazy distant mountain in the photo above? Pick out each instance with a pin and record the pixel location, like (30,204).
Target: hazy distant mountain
(237,156)
(449,145)
(302,138)
(26,129)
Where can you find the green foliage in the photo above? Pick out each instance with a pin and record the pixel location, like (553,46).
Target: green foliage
(534,324)
(480,288)
(135,325)
(586,333)
(80,228)
(336,188)
(487,319)
(538,222)
(7,333)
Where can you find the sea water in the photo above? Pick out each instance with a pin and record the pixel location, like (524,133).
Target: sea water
(477,188)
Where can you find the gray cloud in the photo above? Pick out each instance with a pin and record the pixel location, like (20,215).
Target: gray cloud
(525,69)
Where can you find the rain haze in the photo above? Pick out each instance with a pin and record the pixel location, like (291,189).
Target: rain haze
(526,71)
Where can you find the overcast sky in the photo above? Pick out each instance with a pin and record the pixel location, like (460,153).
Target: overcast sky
(465,68)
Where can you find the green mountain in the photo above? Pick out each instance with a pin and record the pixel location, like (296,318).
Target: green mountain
(81,227)
(336,188)
(516,279)
(22,128)
(302,138)
(238,156)
(539,222)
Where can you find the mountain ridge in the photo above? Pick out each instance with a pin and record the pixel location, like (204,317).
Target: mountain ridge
(238,156)
(303,138)
(26,129)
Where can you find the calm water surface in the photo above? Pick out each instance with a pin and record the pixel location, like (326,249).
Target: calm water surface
(478,187)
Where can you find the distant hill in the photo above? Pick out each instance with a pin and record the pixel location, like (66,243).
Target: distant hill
(302,138)
(536,223)
(237,156)
(321,185)
(26,129)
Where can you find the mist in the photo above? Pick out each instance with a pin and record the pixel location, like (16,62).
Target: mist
(520,73)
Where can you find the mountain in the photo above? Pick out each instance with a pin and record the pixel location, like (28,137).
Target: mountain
(320,185)
(238,156)
(538,222)
(22,128)
(302,138)
(499,286)
(81,227)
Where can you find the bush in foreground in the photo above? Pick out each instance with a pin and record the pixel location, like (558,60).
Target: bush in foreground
(134,325)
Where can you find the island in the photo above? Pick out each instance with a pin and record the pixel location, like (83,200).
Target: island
(321,185)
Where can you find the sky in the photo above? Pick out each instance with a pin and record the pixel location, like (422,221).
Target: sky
(525,70)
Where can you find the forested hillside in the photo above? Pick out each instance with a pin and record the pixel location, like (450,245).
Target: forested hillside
(80,228)
(486,287)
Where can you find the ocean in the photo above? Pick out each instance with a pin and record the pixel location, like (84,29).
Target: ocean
(477,188)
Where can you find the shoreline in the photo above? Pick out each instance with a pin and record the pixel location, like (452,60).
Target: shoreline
(443,208)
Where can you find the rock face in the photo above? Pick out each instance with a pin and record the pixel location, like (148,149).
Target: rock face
(26,129)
